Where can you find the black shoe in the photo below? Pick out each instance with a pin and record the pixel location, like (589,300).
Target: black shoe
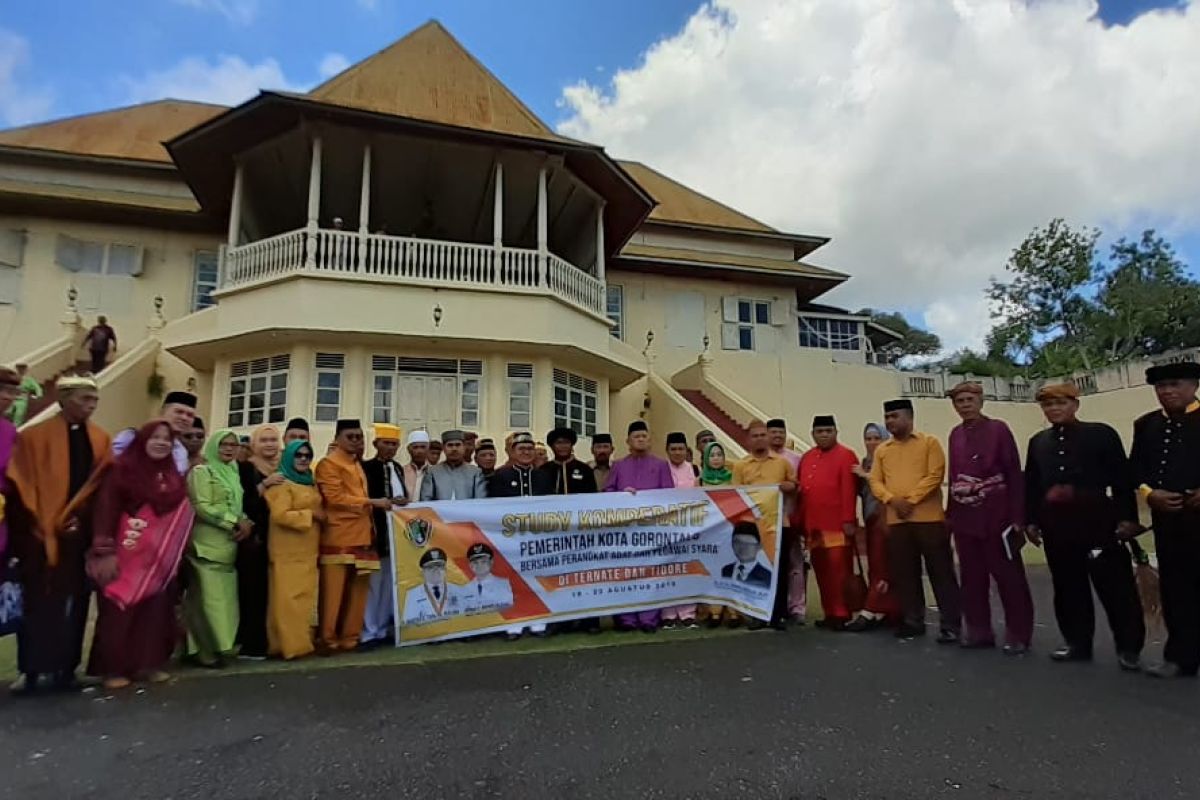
(66,682)
(971,644)
(779,625)
(1015,649)
(1129,662)
(27,686)
(542,634)
(1169,669)
(797,620)
(859,625)
(512,637)
(649,629)
(1069,653)
(909,632)
(371,644)
(756,625)
(948,637)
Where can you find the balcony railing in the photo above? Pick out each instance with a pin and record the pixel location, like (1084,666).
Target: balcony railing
(414,261)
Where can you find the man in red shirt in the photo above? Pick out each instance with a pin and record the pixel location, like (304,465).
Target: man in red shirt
(828,498)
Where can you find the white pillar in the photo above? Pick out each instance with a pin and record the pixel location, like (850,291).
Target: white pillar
(498,208)
(600,242)
(364,207)
(235,206)
(542,227)
(314,203)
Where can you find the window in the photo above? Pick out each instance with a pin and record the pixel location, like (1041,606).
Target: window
(12,257)
(575,399)
(469,389)
(205,275)
(741,317)
(328,405)
(520,396)
(98,258)
(258,391)
(428,393)
(615,309)
(830,334)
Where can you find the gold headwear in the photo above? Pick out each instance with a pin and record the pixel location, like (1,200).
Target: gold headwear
(966,387)
(1051,391)
(71,383)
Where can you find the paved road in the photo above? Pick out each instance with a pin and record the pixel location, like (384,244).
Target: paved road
(764,715)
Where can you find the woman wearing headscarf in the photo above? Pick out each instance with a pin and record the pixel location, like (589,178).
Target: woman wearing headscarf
(210,606)
(258,473)
(141,524)
(294,545)
(713,472)
(881,604)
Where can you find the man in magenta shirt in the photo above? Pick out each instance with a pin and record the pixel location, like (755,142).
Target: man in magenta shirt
(639,471)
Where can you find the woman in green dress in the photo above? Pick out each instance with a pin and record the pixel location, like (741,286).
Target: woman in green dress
(210,606)
(714,472)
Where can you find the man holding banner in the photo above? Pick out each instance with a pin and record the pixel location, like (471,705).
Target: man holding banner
(761,467)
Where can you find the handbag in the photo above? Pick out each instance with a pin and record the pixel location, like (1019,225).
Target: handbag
(854,586)
(12,598)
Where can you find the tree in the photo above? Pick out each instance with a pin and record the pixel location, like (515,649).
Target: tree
(1042,312)
(982,365)
(913,340)
(1146,303)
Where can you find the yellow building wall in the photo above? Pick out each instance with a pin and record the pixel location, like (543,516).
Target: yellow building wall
(128,302)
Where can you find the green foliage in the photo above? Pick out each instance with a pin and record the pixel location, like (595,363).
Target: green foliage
(1062,309)
(914,341)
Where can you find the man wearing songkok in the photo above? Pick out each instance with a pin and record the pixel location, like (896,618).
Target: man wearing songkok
(704,438)
(435,452)
(1166,464)
(761,467)
(1080,501)
(793,537)
(54,472)
(178,409)
(986,516)
(485,457)
(639,471)
(384,480)
(829,514)
(470,440)
(347,556)
(907,478)
(569,474)
(601,463)
(454,479)
(194,440)
(417,445)
(522,479)
(296,431)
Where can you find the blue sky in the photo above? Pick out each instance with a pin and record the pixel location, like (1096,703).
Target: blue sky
(62,57)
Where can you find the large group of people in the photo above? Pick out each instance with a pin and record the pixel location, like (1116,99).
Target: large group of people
(217,548)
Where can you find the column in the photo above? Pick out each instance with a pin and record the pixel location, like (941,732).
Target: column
(542,227)
(314,204)
(600,242)
(364,208)
(498,224)
(235,206)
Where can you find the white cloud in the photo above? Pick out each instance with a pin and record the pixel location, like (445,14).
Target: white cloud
(331,64)
(926,136)
(238,12)
(19,104)
(227,80)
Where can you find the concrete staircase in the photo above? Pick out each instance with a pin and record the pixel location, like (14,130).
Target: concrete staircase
(710,410)
(48,399)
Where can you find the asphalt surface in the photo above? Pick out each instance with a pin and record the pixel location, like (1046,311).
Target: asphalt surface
(804,714)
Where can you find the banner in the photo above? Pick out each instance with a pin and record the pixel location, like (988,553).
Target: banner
(470,567)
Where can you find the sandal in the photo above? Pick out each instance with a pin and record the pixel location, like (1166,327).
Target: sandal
(113,684)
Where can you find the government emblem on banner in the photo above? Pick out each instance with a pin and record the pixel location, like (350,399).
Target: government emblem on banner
(419,531)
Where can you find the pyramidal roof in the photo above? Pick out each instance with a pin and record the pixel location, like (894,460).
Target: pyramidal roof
(135,132)
(429,75)
(683,204)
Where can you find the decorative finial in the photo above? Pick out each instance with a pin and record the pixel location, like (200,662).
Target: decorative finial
(437,316)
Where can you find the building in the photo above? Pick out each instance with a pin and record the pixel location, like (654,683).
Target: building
(409,243)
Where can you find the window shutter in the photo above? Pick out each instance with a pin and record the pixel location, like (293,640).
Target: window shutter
(729,310)
(780,311)
(12,249)
(330,361)
(520,370)
(729,334)
(764,339)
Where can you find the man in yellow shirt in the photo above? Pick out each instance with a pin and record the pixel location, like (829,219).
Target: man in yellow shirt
(907,478)
(763,468)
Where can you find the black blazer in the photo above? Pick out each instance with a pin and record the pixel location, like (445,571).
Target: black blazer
(759,576)
(378,487)
(580,478)
(506,482)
